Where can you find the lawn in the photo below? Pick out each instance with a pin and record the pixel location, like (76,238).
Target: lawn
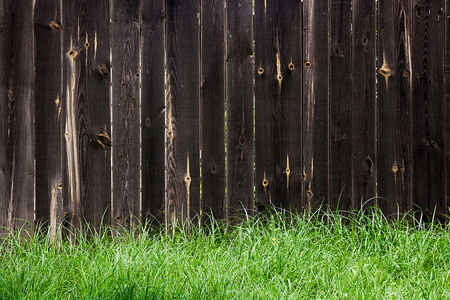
(322,255)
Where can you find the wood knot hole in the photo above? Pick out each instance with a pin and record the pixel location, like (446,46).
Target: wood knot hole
(394,168)
(104,140)
(170,134)
(280,77)
(265,183)
(385,71)
(291,66)
(365,40)
(118,217)
(86,45)
(72,54)
(260,71)
(309,193)
(103,71)
(55,26)
(307,64)
(405,74)
(187,179)
(369,165)
(242,140)
(288,171)
(148,122)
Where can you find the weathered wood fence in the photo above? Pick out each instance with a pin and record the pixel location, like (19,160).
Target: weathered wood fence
(164,108)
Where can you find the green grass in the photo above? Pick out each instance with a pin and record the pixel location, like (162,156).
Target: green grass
(280,256)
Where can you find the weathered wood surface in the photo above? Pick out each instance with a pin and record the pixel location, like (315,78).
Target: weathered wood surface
(125,32)
(85,111)
(153,110)
(5,169)
(17,114)
(212,100)
(447,103)
(182,109)
(428,109)
(239,108)
(340,134)
(394,163)
(363,108)
(315,103)
(48,122)
(278,73)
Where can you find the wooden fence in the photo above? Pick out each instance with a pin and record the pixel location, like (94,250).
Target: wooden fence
(112,108)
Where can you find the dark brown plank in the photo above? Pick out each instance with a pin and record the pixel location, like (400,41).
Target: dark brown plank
(363,103)
(340,169)
(394,106)
(278,140)
(125,33)
(428,106)
(268,110)
(5,67)
(447,103)
(182,108)
(17,114)
(212,99)
(239,107)
(315,103)
(85,110)
(48,122)
(153,110)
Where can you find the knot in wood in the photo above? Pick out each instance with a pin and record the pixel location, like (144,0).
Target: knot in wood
(291,66)
(307,64)
(55,26)
(265,183)
(72,54)
(260,71)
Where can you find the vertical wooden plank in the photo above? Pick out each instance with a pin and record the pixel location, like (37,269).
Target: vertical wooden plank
(340,188)
(268,155)
(5,65)
(48,123)
(447,102)
(394,106)
(125,33)
(239,107)
(315,102)
(86,110)
(17,114)
(212,101)
(182,108)
(428,106)
(363,103)
(278,140)
(153,109)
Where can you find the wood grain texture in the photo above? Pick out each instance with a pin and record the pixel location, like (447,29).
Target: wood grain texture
(17,114)
(183,71)
(428,106)
(48,122)
(278,79)
(364,170)
(85,111)
(5,66)
(394,163)
(125,33)
(340,135)
(212,101)
(268,110)
(315,103)
(153,110)
(447,103)
(239,107)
